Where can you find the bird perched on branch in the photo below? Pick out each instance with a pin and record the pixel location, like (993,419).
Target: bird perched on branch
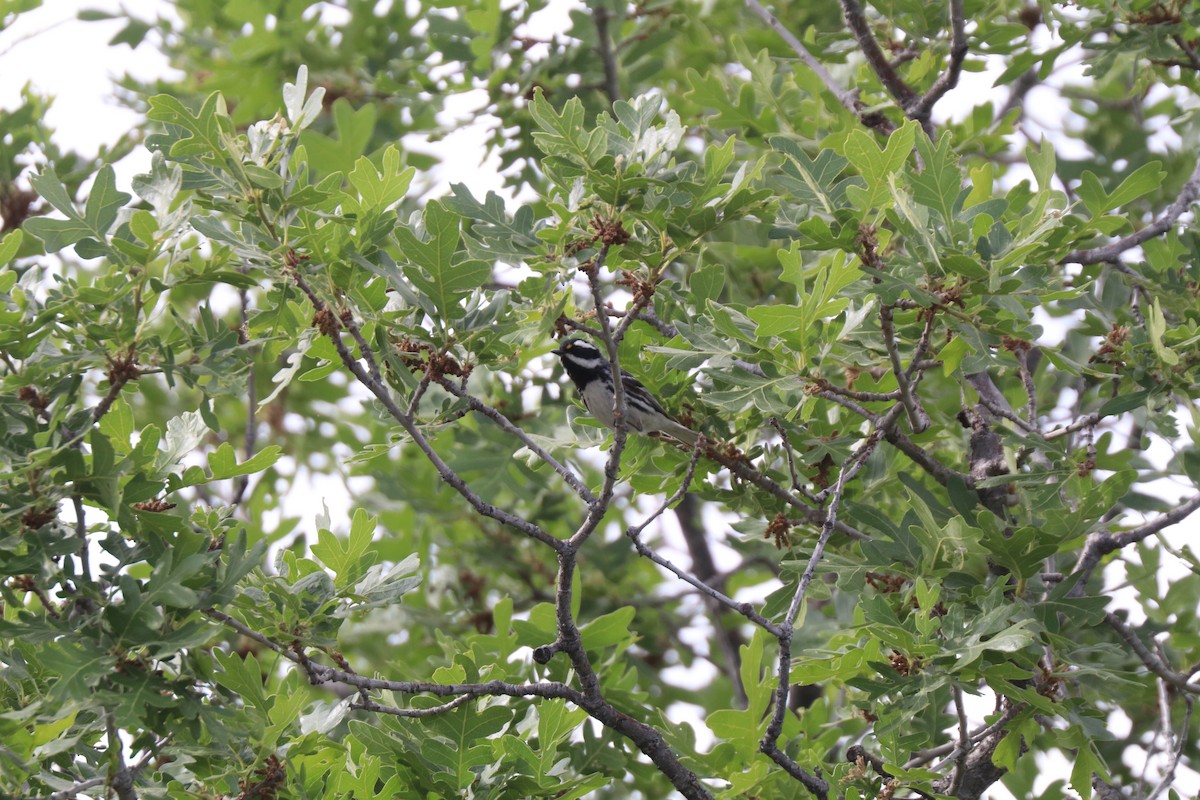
(592,374)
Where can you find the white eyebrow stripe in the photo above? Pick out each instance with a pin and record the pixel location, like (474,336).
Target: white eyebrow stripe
(586,361)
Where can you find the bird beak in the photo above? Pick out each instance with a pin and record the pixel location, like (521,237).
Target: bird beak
(558,351)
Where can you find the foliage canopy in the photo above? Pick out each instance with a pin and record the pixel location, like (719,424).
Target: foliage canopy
(934,362)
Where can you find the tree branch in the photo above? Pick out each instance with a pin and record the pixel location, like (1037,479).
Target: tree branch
(508,426)
(332,328)
(728,638)
(848,99)
(923,107)
(769,744)
(1099,544)
(1109,252)
(917,418)
(243,482)
(1155,664)
(612,83)
(366,704)
(634,532)
(895,85)
(1182,740)
(120,776)
(964,741)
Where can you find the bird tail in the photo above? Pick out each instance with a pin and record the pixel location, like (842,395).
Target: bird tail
(681,433)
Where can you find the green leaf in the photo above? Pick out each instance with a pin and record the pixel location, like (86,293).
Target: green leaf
(876,165)
(1145,179)
(207,131)
(223,461)
(243,675)
(99,212)
(1156,326)
(609,629)
(1125,402)
(330,552)
(493,233)
(707,282)
(9,245)
(432,268)
(940,183)
(379,189)
(117,424)
(354,129)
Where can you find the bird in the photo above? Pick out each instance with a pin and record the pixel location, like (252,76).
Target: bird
(591,372)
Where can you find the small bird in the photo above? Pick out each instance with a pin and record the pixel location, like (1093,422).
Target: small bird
(592,375)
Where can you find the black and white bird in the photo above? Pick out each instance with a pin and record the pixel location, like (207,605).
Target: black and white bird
(592,375)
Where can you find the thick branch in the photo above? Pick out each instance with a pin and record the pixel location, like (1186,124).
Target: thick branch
(980,771)
(1109,252)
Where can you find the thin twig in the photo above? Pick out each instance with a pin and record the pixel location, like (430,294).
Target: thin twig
(634,532)
(414,402)
(80,787)
(769,744)
(1030,390)
(85,566)
(326,674)
(1099,544)
(921,109)
(1181,741)
(922,345)
(1085,421)
(1156,665)
(964,741)
(853,394)
(384,395)
(576,325)
(951,748)
(895,85)
(917,418)
(243,482)
(650,318)
(412,713)
(848,99)
(120,777)
(507,425)
(363,348)
(787,449)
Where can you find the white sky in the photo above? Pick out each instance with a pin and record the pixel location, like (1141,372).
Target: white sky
(85,115)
